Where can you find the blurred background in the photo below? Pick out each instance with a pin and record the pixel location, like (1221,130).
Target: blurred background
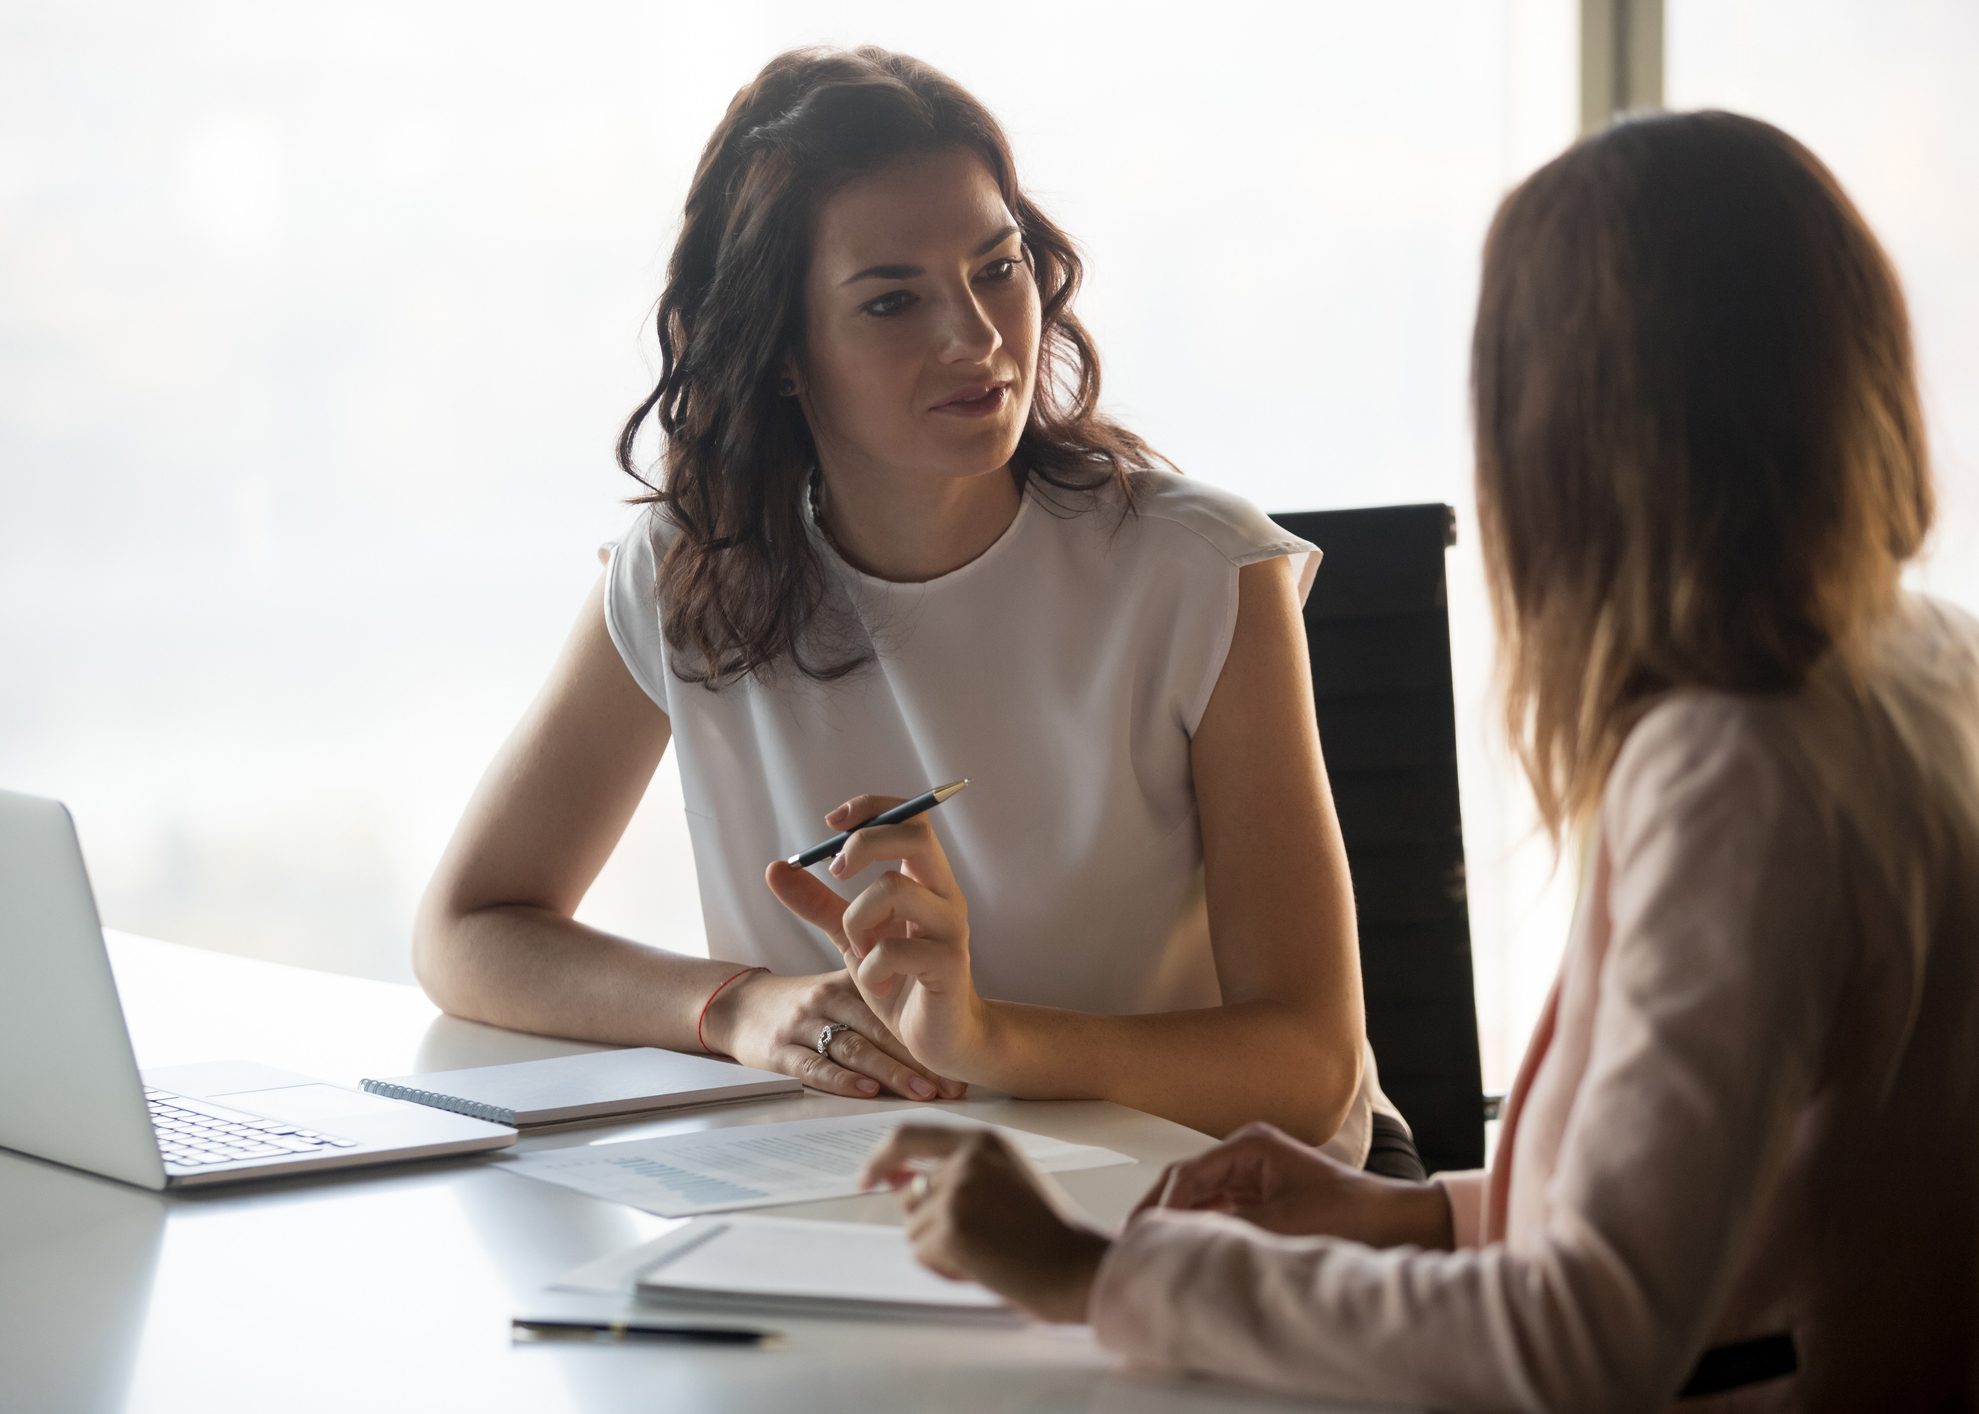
(317,322)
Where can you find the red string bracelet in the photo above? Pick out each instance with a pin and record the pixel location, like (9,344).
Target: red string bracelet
(701,1020)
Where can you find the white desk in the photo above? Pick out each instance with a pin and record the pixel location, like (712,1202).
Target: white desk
(392,1288)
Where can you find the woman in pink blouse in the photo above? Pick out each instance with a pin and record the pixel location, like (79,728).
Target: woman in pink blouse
(1741,1161)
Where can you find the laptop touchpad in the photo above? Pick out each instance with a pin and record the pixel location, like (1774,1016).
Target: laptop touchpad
(311,1104)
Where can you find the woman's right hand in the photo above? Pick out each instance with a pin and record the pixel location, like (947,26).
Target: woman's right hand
(773,1023)
(1264,1176)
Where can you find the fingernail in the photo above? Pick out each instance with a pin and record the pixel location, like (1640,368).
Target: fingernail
(868,1087)
(921,1088)
(838,865)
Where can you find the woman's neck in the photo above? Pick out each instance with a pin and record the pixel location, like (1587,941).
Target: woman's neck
(909,529)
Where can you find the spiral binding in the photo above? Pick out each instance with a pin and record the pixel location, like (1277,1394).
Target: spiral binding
(474,1109)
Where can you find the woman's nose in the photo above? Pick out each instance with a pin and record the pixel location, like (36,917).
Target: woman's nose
(970,335)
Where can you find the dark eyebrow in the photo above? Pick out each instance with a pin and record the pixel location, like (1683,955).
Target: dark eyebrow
(883,272)
(908,272)
(993,242)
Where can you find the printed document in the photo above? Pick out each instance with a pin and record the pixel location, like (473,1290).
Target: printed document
(758,1165)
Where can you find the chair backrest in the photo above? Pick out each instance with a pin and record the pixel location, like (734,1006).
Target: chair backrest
(1378,632)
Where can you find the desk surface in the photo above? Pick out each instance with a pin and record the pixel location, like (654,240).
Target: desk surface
(392,1288)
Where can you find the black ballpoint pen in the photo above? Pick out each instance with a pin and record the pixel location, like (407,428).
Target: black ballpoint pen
(906,810)
(610,1332)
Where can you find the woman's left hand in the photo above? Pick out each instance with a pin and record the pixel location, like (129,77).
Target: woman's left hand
(905,938)
(987,1214)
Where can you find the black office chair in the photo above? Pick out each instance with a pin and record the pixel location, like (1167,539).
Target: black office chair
(1378,632)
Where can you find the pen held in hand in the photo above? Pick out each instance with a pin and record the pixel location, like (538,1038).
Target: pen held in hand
(900,813)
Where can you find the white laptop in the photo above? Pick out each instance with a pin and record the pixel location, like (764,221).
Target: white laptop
(70,1090)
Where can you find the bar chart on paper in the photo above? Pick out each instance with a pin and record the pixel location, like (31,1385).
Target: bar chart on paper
(757,1165)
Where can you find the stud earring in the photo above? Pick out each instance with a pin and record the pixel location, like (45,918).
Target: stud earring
(787,386)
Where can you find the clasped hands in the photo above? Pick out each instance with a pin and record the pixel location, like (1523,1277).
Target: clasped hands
(987,1214)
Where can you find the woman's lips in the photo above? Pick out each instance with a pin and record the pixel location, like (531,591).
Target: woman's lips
(983,404)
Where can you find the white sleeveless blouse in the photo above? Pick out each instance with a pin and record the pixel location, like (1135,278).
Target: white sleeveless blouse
(1063,671)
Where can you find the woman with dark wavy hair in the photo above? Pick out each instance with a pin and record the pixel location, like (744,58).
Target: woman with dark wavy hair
(892,542)
(1741,1158)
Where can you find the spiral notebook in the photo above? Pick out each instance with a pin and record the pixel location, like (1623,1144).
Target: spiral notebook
(596,1086)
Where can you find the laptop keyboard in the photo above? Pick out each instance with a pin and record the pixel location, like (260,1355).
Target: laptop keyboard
(193,1134)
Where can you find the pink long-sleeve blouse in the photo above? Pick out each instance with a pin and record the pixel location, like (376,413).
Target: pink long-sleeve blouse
(1751,1105)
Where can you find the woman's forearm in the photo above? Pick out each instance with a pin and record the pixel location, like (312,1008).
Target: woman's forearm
(494,940)
(1212,1070)
(531,969)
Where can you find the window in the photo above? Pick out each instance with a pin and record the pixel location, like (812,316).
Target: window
(318,322)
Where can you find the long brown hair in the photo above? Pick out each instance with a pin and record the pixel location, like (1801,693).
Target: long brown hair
(742,582)
(1700,459)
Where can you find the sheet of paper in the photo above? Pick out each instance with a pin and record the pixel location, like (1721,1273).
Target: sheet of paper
(758,1165)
